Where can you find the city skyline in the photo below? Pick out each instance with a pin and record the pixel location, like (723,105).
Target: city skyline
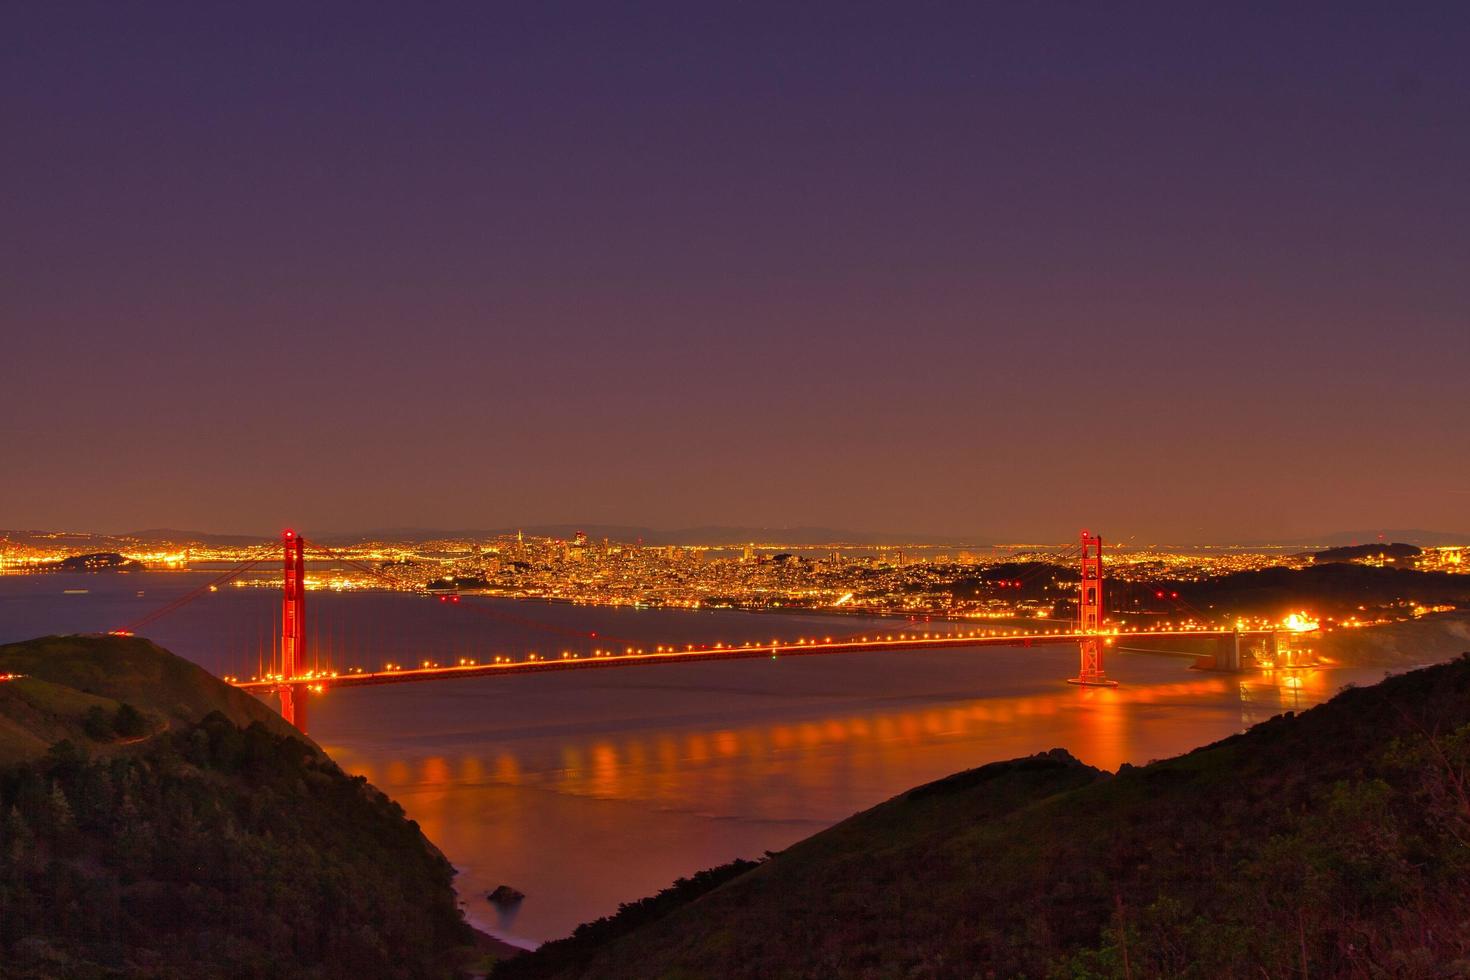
(998,273)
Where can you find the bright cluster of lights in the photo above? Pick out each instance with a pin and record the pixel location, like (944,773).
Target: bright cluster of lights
(1301,623)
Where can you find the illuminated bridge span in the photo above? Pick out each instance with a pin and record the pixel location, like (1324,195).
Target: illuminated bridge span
(291,680)
(574,661)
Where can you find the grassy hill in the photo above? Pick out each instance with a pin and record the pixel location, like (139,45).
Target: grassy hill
(1334,843)
(155,822)
(68,676)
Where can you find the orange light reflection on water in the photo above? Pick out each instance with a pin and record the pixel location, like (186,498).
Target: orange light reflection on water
(1093,723)
(629,808)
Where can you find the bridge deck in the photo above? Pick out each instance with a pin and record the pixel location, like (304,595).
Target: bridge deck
(745,652)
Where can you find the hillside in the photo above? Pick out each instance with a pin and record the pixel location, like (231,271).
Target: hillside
(67,676)
(1333,843)
(150,834)
(1331,588)
(1395,552)
(1413,643)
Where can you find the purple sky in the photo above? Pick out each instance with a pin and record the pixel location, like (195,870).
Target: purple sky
(1173,271)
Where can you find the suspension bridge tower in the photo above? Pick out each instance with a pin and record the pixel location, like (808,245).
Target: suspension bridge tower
(293,630)
(1089,615)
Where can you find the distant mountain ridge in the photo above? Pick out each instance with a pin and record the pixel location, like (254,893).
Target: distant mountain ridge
(713,534)
(203,537)
(1406,536)
(107,541)
(805,536)
(1392,551)
(808,536)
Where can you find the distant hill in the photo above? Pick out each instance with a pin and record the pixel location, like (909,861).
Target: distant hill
(1326,588)
(145,832)
(1409,536)
(712,534)
(802,536)
(58,540)
(1398,551)
(101,541)
(1326,844)
(164,534)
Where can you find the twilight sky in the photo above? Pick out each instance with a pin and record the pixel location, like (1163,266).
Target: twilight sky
(1173,271)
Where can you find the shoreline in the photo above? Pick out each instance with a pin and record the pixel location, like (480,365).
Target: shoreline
(487,942)
(476,921)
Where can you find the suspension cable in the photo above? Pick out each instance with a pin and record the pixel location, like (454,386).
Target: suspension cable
(189,597)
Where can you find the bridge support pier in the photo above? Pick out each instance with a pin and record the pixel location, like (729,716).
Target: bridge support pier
(1227,655)
(1090,673)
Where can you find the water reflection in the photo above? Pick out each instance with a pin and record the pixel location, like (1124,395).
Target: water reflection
(1267,693)
(582,816)
(647,767)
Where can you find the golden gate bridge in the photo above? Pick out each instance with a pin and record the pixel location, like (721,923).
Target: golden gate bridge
(292,682)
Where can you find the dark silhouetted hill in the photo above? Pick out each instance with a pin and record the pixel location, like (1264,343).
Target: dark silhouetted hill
(1398,551)
(155,822)
(1411,535)
(1328,588)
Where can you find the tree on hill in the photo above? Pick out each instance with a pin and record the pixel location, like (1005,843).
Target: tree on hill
(97,724)
(129,722)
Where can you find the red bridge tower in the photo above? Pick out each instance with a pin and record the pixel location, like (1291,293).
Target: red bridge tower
(293,630)
(1089,615)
